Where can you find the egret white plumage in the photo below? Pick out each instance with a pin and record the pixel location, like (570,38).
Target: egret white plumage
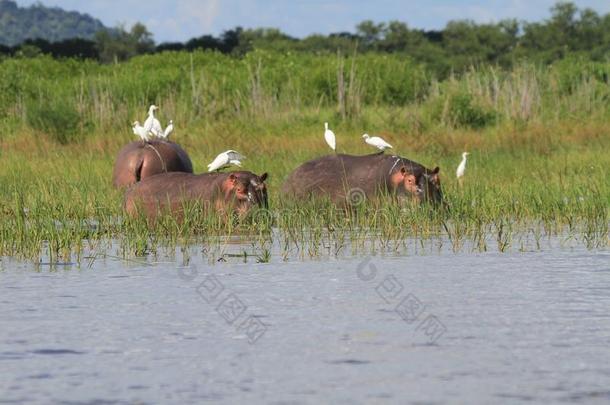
(459,173)
(152,124)
(376,142)
(140,131)
(149,124)
(227,158)
(157,129)
(329,137)
(169,129)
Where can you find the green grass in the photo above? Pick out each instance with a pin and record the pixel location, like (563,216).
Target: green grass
(538,139)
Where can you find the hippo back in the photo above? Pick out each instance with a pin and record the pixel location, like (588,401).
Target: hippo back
(139,160)
(239,191)
(337,176)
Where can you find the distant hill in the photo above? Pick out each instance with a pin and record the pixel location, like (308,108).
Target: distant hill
(37,21)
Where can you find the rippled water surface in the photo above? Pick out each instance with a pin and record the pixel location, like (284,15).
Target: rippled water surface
(458,328)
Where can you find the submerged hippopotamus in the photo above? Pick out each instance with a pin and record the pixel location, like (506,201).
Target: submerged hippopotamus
(349,180)
(139,160)
(238,192)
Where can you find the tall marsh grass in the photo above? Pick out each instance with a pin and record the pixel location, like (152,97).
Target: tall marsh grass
(89,99)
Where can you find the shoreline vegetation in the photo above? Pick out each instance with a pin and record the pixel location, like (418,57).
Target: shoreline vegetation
(568,30)
(538,137)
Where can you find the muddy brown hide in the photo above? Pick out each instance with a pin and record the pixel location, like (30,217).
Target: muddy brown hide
(139,160)
(349,180)
(236,192)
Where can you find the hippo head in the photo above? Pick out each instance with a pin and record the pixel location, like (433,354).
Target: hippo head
(258,190)
(405,184)
(417,184)
(248,191)
(429,186)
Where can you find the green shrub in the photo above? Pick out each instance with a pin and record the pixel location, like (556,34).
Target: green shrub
(459,110)
(60,121)
(464,112)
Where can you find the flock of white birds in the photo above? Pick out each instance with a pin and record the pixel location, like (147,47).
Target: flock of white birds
(152,129)
(375,141)
(382,145)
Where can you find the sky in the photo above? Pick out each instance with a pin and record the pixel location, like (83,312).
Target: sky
(180,20)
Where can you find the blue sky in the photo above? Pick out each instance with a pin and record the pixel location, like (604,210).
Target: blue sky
(178,20)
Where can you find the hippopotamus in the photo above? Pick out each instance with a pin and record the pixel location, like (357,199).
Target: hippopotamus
(139,160)
(349,180)
(237,191)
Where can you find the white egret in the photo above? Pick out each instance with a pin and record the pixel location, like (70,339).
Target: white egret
(169,129)
(229,157)
(157,130)
(152,124)
(329,137)
(139,131)
(459,173)
(376,142)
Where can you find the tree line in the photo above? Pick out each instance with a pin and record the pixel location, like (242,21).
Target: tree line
(460,45)
(38,21)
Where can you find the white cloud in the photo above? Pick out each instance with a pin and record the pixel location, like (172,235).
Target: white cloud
(200,14)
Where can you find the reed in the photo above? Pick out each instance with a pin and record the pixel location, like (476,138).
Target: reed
(71,100)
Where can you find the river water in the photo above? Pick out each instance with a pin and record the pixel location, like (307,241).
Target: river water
(526,327)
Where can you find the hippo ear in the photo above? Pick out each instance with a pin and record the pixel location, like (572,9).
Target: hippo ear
(263,176)
(232,179)
(403,171)
(435,177)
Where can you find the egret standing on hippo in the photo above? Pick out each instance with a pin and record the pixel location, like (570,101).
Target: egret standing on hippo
(152,155)
(335,177)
